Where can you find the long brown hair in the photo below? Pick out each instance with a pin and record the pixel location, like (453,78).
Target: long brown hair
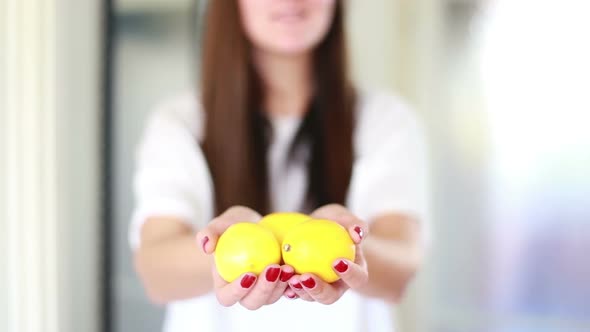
(237,133)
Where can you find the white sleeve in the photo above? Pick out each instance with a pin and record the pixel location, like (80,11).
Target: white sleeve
(390,170)
(171,177)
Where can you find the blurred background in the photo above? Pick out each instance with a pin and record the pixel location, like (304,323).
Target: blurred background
(503,87)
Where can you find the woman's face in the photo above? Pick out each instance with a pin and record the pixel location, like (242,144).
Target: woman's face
(286,27)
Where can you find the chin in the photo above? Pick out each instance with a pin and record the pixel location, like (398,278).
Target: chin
(292,48)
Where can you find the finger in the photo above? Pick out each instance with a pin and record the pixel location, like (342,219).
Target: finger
(208,236)
(264,288)
(357,233)
(286,273)
(297,288)
(320,290)
(359,257)
(353,275)
(329,211)
(357,228)
(218,281)
(230,293)
(242,213)
(353,224)
(290,294)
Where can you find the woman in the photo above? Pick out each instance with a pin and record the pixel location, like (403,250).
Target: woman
(277,126)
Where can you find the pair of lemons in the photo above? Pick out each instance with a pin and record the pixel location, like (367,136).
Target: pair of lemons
(308,245)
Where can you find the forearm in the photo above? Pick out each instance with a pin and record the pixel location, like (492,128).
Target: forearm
(174,269)
(393,255)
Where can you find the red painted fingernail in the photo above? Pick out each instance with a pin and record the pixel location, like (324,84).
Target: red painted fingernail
(359,231)
(308,283)
(297,286)
(272,274)
(341,267)
(292,297)
(285,276)
(204,243)
(247,281)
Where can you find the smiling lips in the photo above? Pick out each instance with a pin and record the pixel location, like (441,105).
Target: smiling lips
(290,16)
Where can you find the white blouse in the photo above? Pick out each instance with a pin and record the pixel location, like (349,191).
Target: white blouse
(172,178)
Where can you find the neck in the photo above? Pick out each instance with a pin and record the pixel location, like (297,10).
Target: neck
(287,83)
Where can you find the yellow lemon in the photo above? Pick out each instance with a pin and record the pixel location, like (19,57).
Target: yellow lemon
(245,247)
(313,246)
(280,223)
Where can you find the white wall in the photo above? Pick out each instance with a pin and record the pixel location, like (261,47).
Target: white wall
(372,32)
(3,159)
(49,165)
(79,103)
(394,45)
(153,61)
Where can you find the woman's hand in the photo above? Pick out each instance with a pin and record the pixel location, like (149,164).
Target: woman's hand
(353,275)
(249,290)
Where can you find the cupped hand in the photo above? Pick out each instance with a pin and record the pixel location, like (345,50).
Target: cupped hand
(353,274)
(249,290)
